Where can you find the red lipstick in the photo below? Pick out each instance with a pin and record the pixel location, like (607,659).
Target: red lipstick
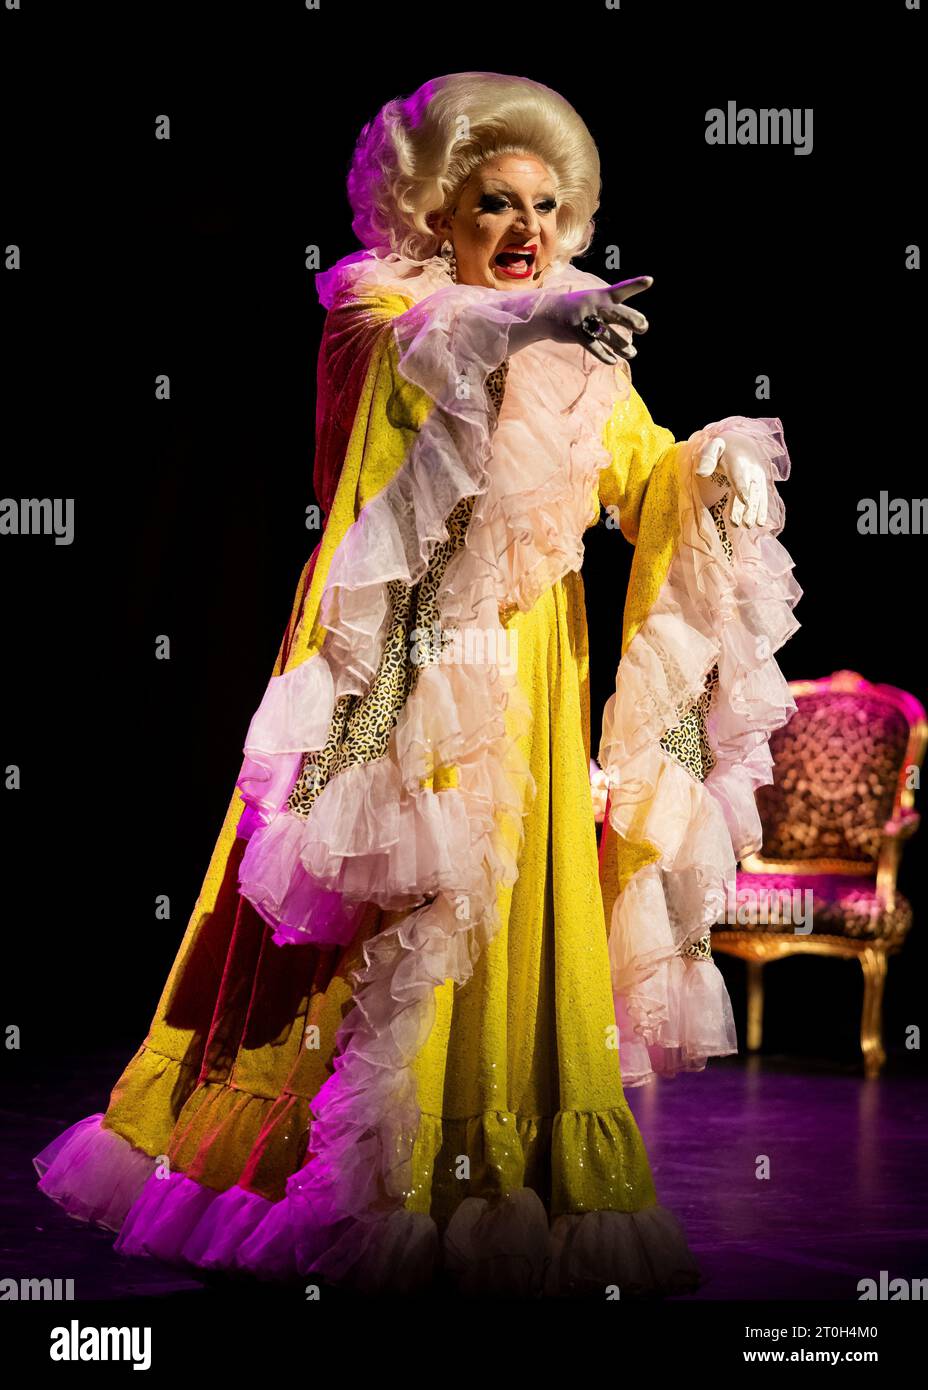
(516,262)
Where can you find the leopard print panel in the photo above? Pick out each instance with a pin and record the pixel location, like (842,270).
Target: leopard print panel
(701,949)
(688,741)
(496,385)
(361,724)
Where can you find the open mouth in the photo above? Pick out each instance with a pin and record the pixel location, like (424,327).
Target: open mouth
(516,262)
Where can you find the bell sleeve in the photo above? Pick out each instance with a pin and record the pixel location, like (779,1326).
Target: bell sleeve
(685,737)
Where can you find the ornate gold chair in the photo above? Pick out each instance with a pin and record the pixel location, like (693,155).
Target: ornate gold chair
(834,822)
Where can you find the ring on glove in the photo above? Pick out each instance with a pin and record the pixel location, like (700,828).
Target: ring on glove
(593,326)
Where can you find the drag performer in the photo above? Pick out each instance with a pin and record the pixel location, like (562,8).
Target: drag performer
(393,1044)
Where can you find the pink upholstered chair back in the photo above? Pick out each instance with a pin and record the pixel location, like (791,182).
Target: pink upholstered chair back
(845,766)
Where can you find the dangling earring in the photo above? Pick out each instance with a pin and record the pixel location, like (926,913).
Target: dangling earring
(447,251)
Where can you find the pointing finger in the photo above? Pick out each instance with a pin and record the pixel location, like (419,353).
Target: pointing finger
(625,290)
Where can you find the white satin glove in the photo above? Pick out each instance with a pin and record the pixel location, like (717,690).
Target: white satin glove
(737,459)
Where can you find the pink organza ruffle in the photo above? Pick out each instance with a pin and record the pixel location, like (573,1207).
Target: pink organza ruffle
(673,1011)
(93,1173)
(378,832)
(503,1247)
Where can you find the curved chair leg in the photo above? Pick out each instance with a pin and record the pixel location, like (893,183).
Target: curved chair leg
(873,962)
(755,1005)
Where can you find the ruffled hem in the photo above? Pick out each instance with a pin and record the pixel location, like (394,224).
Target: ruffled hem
(673,1012)
(504,1247)
(93,1173)
(508,1248)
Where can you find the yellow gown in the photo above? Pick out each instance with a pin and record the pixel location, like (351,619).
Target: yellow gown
(520,1073)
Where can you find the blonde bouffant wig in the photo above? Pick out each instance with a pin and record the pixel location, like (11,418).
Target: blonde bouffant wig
(418,151)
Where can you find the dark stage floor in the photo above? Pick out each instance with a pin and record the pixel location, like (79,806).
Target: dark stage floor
(845,1197)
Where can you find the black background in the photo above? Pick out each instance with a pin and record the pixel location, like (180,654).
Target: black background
(187,257)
